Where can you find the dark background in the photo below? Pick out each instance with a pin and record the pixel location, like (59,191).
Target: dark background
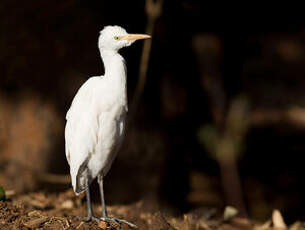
(203,57)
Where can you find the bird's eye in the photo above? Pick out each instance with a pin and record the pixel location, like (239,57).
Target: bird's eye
(116,38)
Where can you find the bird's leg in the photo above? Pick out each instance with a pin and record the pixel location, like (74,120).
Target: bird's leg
(101,184)
(89,205)
(104,209)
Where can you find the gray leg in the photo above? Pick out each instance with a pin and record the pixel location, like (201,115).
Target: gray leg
(105,216)
(89,205)
(101,184)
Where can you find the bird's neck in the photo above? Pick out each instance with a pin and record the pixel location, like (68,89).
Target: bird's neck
(115,73)
(114,64)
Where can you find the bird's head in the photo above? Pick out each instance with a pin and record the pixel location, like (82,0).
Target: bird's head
(115,38)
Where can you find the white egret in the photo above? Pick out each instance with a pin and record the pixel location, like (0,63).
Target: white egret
(96,119)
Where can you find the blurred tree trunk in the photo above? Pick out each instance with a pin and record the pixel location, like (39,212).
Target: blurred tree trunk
(224,138)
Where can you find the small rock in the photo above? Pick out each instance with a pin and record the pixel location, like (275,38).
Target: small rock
(229,213)
(10,193)
(68,204)
(277,219)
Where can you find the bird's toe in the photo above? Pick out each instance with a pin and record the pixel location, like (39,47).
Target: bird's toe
(116,222)
(88,218)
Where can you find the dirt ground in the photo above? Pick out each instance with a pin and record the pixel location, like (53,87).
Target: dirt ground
(62,211)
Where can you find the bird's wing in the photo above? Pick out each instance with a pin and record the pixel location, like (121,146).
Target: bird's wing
(82,127)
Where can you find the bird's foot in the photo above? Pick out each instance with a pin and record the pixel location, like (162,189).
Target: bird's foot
(117,221)
(88,218)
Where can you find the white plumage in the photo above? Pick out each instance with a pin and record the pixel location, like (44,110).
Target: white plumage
(95,124)
(96,118)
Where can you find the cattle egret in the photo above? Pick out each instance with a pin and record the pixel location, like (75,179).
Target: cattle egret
(96,119)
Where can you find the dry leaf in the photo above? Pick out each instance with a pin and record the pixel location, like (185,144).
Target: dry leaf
(39,204)
(107,226)
(34,213)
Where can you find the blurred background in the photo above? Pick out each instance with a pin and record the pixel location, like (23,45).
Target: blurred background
(221,119)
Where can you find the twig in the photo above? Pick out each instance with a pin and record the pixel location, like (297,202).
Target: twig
(55,178)
(81,223)
(293,116)
(36,222)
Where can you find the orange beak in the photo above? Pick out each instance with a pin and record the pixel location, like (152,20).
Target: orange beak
(134,37)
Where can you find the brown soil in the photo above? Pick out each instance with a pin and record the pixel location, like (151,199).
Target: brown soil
(63,211)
